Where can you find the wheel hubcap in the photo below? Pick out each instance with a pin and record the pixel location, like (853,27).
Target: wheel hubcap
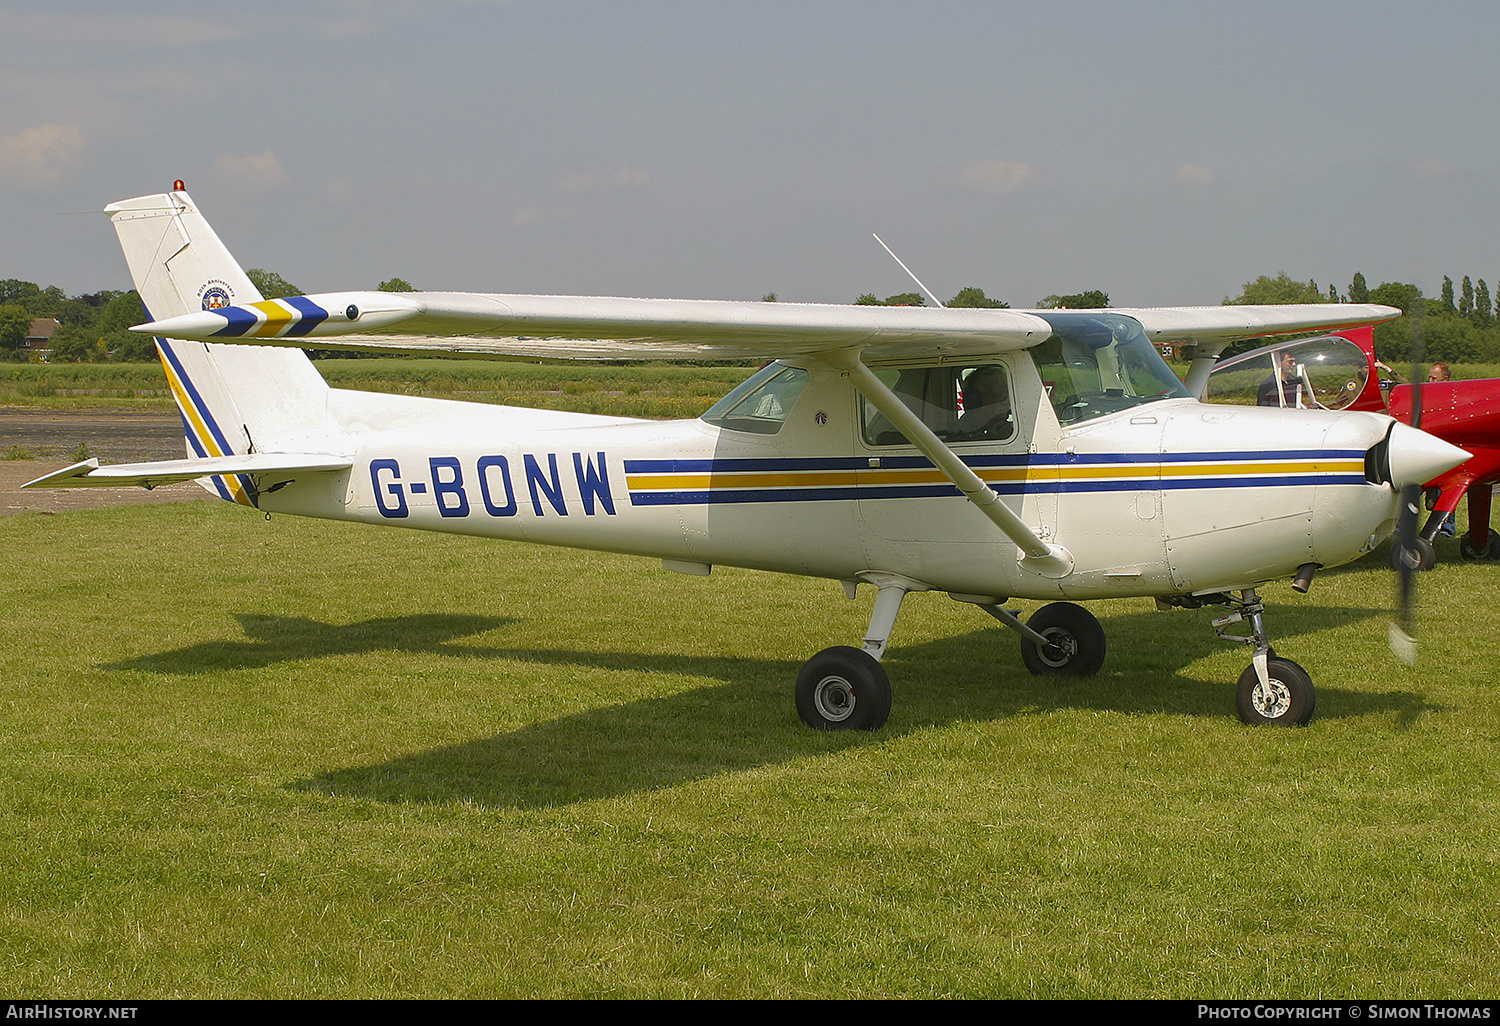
(1061,647)
(1271,700)
(834,697)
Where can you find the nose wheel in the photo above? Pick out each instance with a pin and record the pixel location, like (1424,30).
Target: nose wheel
(1272,691)
(1286,698)
(1420,556)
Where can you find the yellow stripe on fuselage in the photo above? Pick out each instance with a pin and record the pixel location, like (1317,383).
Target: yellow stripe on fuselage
(1267,467)
(694,482)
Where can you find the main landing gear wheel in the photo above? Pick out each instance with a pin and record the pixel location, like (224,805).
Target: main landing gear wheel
(1422,556)
(1286,700)
(843,688)
(1075,641)
(1489,550)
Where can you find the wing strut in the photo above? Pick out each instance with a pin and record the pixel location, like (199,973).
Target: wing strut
(1051,561)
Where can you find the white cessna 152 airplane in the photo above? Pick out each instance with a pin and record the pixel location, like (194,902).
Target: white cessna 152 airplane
(989,454)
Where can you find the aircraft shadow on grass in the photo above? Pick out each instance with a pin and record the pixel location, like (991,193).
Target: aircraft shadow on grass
(748,721)
(284,639)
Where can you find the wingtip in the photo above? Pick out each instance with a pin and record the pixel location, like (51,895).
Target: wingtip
(69,473)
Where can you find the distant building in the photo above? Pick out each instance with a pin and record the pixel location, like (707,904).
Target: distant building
(39,339)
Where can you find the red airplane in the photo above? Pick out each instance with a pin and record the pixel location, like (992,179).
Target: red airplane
(1340,372)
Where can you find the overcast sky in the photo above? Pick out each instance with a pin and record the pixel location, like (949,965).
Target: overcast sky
(1164,152)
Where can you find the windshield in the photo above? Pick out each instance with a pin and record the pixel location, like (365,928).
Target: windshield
(1097,362)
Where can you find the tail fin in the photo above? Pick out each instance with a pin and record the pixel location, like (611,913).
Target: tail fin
(233,399)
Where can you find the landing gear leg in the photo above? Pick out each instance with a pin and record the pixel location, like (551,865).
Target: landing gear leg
(1272,691)
(843,688)
(1442,522)
(1439,523)
(883,618)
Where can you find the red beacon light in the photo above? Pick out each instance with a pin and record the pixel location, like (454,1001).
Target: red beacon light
(178,186)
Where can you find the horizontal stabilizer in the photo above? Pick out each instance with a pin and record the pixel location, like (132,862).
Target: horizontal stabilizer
(269,466)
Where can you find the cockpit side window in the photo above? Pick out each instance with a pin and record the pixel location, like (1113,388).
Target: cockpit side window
(959,404)
(761,403)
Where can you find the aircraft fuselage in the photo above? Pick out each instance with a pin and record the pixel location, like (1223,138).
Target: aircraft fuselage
(1171,498)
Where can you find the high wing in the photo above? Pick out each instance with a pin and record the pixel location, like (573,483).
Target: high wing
(1211,328)
(270,468)
(590,327)
(583,327)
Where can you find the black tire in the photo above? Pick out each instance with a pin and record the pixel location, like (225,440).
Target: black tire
(1489,550)
(1289,702)
(1077,641)
(1422,555)
(843,688)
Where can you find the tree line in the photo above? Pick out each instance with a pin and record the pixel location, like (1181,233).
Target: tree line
(1460,325)
(973,298)
(95,327)
(1465,329)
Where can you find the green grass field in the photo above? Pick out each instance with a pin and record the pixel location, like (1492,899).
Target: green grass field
(637,390)
(299,759)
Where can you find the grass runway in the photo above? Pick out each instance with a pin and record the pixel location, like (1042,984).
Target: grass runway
(291,758)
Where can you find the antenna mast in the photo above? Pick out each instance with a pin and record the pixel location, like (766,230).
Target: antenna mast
(914,278)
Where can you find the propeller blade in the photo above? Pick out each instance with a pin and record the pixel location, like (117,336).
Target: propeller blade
(1403,632)
(1408,558)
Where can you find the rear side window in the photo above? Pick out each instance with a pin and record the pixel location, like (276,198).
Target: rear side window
(959,404)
